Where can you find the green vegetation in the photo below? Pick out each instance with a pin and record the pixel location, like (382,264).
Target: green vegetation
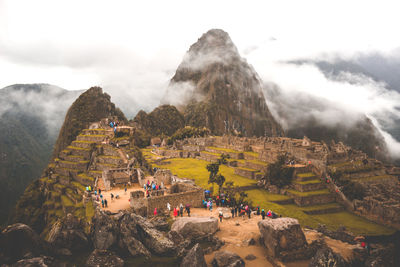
(350,189)
(251,153)
(85,176)
(78,148)
(278,173)
(310,193)
(305,175)
(213,169)
(355,224)
(66,202)
(316,181)
(322,206)
(196,170)
(227,150)
(187,132)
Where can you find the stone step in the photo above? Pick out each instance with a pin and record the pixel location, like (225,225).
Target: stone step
(307,186)
(81,165)
(109,150)
(209,156)
(91,138)
(98,131)
(312,198)
(303,177)
(323,210)
(95,173)
(83,144)
(109,160)
(73,158)
(79,151)
(252,164)
(65,171)
(245,172)
(105,166)
(85,179)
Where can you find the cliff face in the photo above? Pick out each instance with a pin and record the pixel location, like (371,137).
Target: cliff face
(165,119)
(91,106)
(215,88)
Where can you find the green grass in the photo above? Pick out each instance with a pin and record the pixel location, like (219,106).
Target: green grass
(196,169)
(305,175)
(373,178)
(355,224)
(316,181)
(320,207)
(66,201)
(96,129)
(344,164)
(251,153)
(78,148)
(93,135)
(211,153)
(89,211)
(310,193)
(78,185)
(84,175)
(224,149)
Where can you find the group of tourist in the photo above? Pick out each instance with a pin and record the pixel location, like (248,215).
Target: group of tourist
(152,186)
(114,125)
(178,210)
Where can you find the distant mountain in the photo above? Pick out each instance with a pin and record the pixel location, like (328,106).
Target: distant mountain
(30,117)
(214,87)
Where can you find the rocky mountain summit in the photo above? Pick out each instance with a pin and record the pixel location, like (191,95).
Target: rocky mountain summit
(216,88)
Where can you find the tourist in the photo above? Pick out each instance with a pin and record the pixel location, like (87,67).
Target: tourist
(205,204)
(101,196)
(188,209)
(147,193)
(233,212)
(181,209)
(263,214)
(87,188)
(99,191)
(105,203)
(95,192)
(125,189)
(220,216)
(269,213)
(258,210)
(155,211)
(102,203)
(236,211)
(175,212)
(248,212)
(169,208)
(112,197)
(211,204)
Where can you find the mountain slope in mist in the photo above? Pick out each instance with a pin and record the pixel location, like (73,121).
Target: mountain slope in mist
(215,88)
(306,115)
(30,117)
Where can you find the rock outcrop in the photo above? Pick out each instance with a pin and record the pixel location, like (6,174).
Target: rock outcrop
(227,259)
(282,236)
(42,261)
(325,257)
(195,227)
(104,258)
(128,237)
(217,89)
(20,241)
(104,232)
(194,258)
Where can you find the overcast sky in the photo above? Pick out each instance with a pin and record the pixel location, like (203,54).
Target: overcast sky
(132,48)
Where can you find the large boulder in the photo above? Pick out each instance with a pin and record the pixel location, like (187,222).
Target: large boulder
(227,259)
(104,231)
(104,258)
(195,227)
(19,241)
(128,237)
(282,236)
(153,239)
(68,234)
(325,257)
(194,258)
(42,261)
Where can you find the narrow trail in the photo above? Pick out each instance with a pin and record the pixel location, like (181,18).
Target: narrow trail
(123,155)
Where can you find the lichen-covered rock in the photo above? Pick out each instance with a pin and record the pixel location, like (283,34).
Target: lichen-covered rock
(281,235)
(325,257)
(18,241)
(42,261)
(195,227)
(153,239)
(194,258)
(104,258)
(104,231)
(128,237)
(227,259)
(68,234)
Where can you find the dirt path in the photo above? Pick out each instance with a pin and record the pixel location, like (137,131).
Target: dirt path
(122,155)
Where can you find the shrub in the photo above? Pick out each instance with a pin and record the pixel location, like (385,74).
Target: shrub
(278,173)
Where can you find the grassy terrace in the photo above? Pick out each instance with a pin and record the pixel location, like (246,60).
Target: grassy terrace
(373,178)
(305,175)
(78,148)
(66,202)
(196,169)
(211,153)
(316,181)
(311,193)
(355,224)
(251,153)
(320,207)
(247,169)
(93,135)
(227,150)
(84,175)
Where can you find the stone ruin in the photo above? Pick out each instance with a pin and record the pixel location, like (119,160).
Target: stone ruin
(121,176)
(163,176)
(179,193)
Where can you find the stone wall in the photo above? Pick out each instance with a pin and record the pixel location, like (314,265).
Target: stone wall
(163,176)
(313,200)
(193,198)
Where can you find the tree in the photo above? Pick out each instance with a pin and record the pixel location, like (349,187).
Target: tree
(278,173)
(213,168)
(219,180)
